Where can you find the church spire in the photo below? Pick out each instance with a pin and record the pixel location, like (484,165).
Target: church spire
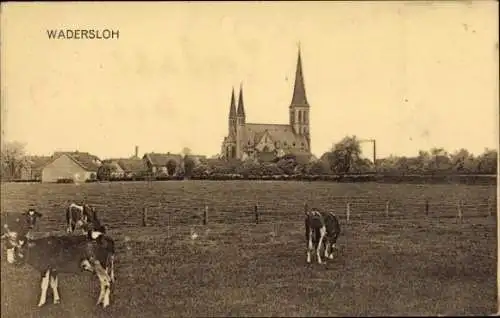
(241,107)
(299,90)
(232,109)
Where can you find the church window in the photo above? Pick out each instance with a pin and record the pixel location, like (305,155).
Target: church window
(293,144)
(249,142)
(300,116)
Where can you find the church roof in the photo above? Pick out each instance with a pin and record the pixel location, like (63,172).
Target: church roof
(279,132)
(299,90)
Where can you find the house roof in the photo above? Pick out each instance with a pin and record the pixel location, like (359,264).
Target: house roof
(132,165)
(161,159)
(37,162)
(86,160)
(278,132)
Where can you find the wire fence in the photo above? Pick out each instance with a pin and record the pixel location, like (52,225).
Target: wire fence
(348,210)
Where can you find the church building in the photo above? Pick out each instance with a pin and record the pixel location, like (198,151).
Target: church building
(256,141)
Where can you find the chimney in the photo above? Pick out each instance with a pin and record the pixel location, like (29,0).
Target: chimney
(137,151)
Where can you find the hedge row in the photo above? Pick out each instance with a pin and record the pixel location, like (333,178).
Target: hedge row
(417,179)
(438,179)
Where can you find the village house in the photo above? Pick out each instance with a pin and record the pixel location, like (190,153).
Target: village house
(126,167)
(78,166)
(166,164)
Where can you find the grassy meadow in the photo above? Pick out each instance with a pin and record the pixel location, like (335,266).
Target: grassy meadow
(393,257)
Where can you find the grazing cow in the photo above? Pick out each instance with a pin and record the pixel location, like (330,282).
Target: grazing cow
(321,228)
(20,224)
(83,216)
(66,254)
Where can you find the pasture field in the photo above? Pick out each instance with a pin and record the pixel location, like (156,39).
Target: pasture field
(404,262)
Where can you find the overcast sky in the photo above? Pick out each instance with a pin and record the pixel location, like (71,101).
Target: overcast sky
(412,76)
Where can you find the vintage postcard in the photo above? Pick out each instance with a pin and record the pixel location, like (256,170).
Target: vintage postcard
(195,159)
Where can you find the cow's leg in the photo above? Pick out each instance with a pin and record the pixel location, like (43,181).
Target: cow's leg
(112,268)
(309,247)
(54,283)
(320,243)
(105,281)
(333,245)
(44,285)
(10,255)
(327,245)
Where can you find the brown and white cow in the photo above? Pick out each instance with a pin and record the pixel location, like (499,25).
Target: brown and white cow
(321,229)
(83,216)
(20,224)
(70,254)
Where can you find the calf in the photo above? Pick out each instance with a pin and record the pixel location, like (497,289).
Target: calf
(83,216)
(321,228)
(20,224)
(66,254)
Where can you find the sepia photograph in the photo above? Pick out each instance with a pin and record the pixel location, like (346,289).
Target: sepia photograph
(249,159)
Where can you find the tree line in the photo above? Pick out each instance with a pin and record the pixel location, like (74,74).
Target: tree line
(344,157)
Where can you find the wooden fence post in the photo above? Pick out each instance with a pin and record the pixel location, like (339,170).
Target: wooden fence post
(387,208)
(348,211)
(256,210)
(459,210)
(426,207)
(205,215)
(144,216)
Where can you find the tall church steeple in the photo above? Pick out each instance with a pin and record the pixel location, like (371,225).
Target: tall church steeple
(299,107)
(299,97)
(241,108)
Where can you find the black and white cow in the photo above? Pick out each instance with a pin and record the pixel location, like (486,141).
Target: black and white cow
(83,216)
(20,224)
(321,229)
(71,254)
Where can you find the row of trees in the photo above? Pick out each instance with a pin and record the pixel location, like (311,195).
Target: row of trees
(345,157)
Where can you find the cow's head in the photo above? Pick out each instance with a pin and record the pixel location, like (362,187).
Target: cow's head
(31,216)
(89,212)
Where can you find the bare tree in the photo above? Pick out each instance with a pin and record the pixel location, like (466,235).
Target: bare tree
(13,159)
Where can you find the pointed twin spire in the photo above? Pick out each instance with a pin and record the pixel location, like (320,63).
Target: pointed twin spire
(241,107)
(232,109)
(299,90)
